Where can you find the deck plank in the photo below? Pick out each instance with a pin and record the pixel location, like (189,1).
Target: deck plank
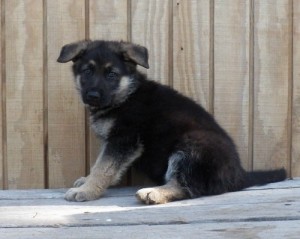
(276,230)
(258,212)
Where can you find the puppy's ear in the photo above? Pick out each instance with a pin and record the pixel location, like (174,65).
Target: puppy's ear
(72,51)
(135,53)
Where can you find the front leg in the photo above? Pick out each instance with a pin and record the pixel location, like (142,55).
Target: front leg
(108,169)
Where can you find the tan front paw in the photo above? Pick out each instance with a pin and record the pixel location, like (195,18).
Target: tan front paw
(151,196)
(82,194)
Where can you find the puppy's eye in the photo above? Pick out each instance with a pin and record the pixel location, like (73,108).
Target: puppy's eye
(87,71)
(112,75)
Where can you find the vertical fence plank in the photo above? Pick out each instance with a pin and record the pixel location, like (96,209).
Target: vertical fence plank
(150,28)
(271,65)
(295,164)
(66,116)
(2,100)
(231,101)
(24,91)
(191,28)
(108,21)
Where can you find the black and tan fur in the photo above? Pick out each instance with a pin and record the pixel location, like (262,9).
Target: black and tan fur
(151,127)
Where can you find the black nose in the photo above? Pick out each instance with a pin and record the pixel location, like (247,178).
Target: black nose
(92,95)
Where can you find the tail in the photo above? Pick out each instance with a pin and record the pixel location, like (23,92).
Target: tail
(264,177)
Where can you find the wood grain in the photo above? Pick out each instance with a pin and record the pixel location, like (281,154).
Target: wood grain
(24,91)
(150,28)
(108,19)
(231,64)
(295,163)
(191,37)
(66,115)
(228,230)
(271,65)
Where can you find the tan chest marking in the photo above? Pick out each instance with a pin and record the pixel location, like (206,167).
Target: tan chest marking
(103,127)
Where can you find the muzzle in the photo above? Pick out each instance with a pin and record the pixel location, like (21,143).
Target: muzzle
(92,98)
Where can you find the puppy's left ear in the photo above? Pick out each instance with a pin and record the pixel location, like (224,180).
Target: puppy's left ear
(135,53)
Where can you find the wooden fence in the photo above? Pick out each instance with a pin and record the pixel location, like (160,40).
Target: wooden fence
(239,59)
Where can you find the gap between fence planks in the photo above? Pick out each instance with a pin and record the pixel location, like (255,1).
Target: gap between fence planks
(2,102)
(295,161)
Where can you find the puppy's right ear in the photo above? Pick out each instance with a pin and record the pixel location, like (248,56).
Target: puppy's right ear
(71,52)
(135,53)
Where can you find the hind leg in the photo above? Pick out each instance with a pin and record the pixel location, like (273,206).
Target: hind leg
(162,194)
(169,192)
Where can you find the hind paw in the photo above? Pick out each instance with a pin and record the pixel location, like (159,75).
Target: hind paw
(151,196)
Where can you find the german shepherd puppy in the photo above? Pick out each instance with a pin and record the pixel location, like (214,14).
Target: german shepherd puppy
(151,127)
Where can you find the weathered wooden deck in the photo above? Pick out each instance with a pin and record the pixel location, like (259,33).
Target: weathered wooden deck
(271,211)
